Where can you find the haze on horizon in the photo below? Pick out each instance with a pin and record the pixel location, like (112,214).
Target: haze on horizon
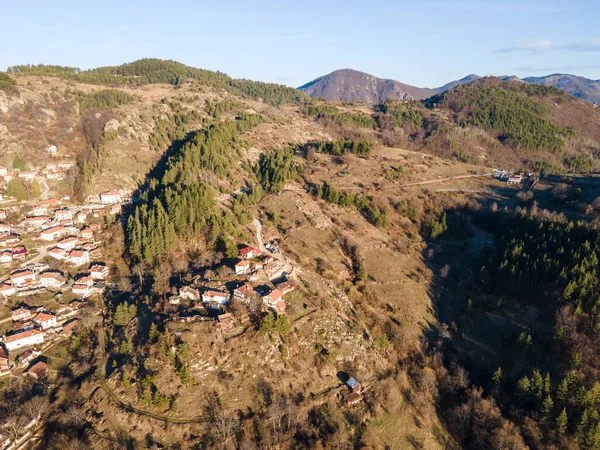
(425,45)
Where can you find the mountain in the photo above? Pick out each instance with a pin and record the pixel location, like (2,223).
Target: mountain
(468,79)
(354,86)
(583,88)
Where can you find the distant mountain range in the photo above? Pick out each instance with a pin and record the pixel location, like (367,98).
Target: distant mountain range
(355,86)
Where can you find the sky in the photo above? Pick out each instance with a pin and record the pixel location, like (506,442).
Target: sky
(423,43)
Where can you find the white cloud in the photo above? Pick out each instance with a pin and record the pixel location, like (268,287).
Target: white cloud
(537,46)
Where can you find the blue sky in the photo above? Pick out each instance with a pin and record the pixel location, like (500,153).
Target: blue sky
(424,43)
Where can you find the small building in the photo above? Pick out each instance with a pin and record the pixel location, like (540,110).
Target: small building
(79,257)
(286,287)
(250,252)
(27,357)
(45,320)
(19,252)
(110,197)
(274,299)
(9,240)
(27,175)
(242,267)
(21,314)
(51,149)
(22,278)
(189,293)
(352,398)
(5,228)
(39,211)
(354,385)
(225,321)
(99,272)
(6,257)
(38,370)
(243,292)
(174,299)
(6,290)
(69,327)
(514,179)
(87,233)
(52,280)
(52,234)
(58,253)
(215,299)
(63,214)
(34,222)
(25,339)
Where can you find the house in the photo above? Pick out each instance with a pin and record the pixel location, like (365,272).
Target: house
(34,222)
(19,252)
(514,179)
(68,243)
(38,370)
(28,175)
(9,240)
(65,165)
(24,339)
(6,257)
(51,149)
(242,267)
(274,299)
(6,290)
(57,253)
(189,293)
(2,214)
(225,321)
(52,234)
(26,357)
(52,280)
(110,197)
(45,320)
(81,217)
(22,277)
(78,305)
(68,327)
(87,233)
(99,272)
(83,286)
(21,314)
(3,171)
(5,228)
(215,298)
(39,211)
(242,292)
(79,257)
(174,299)
(286,287)
(63,214)
(250,252)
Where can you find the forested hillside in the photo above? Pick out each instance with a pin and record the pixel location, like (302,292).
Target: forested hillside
(148,71)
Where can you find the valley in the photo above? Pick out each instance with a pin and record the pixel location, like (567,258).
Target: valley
(221,263)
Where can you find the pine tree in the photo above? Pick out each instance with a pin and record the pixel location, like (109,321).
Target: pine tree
(497,377)
(547,407)
(562,421)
